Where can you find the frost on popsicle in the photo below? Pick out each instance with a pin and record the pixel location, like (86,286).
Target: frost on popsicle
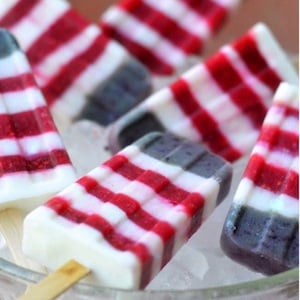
(126,218)
(163,34)
(220,102)
(33,161)
(261,230)
(81,72)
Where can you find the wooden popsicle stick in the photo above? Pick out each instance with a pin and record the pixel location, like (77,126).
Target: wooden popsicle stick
(11,227)
(57,282)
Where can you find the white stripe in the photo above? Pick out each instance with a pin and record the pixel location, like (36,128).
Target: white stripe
(184,16)
(9,147)
(34,24)
(43,143)
(281,159)
(290,124)
(29,146)
(295,165)
(274,54)
(62,56)
(201,83)
(13,65)
(21,101)
(6,6)
(264,200)
(138,32)
(276,117)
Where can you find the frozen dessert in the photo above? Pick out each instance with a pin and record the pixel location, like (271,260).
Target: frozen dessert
(127,217)
(262,227)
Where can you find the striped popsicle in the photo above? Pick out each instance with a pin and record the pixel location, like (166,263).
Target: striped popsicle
(163,34)
(81,72)
(220,102)
(126,218)
(261,230)
(33,161)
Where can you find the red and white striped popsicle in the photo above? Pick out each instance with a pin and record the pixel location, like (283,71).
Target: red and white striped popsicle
(162,34)
(126,218)
(33,161)
(82,73)
(220,102)
(262,227)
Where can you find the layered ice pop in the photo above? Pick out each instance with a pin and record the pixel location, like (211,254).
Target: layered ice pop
(163,34)
(261,229)
(81,72)
(221,102)
(34,163)
(126,218)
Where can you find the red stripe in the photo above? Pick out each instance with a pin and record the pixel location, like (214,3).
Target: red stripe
(280,139)
(250,104)
(248,51)
(271,177)
(288,110)
(135,213)
(239,92)
(19,11)
(203,121)
(192,203)
(146,56)
(28,123)
(213,13)
(223,72)
(68,73)
(129,205)
(159,183)
(39,162)
(17,83)
(63,30)
(161,23)
(117,240)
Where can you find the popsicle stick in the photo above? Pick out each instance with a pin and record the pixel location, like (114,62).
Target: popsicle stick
(11,227)
(57,282)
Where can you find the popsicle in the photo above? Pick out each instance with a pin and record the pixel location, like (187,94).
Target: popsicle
(163,34)
(82,73)
(261,229)
(34,163)
(126,218)
(33,160)
(220,102)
